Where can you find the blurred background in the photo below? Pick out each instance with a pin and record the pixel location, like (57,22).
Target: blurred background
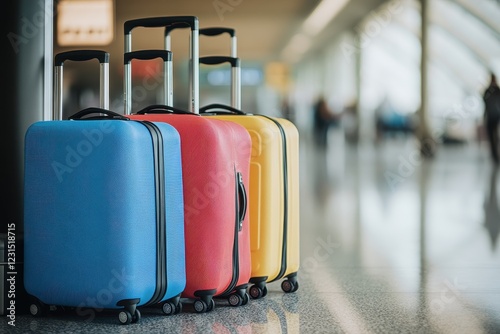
(398,186)
(363,56)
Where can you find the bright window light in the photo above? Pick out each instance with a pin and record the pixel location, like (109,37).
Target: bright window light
(85,22)
(322,15)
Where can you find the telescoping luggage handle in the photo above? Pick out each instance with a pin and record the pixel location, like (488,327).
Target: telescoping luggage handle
(147,55)
(169,22)
(80,55)
(216,31)
(235,107)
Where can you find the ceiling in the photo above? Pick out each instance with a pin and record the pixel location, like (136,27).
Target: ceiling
(263,27)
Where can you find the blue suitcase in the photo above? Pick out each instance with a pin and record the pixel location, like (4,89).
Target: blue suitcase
(104,221)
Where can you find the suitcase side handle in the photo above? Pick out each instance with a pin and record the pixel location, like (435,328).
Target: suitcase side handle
(163,109)
(80,55)
(235,75)
(242,204)
(215,31)
(103,114)
(222,110)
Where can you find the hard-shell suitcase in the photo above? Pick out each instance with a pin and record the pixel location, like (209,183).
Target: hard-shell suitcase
(215,172)
(104,226)
(274,183)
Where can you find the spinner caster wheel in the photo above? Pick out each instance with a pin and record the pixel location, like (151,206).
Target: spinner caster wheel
(289,286)
(126,318)
(246,299)
(235,299)
(211,305)
(168,308)
(178,308)
(136,317)
(257,292)
(37,309)
(200,306)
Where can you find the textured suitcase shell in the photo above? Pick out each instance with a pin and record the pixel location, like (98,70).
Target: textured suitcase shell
(215,155)
(267,198)
(210,158)
(274,183)
(90,213)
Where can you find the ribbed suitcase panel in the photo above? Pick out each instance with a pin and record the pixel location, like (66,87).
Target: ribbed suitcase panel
(90,213)
(208,157)
(293,250)
(266,198)
(174,207)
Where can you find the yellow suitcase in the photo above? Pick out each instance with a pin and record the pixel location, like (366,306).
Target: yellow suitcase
(273,191)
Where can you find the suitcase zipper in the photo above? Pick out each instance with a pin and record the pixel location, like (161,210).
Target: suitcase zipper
(285,198)
(159,175)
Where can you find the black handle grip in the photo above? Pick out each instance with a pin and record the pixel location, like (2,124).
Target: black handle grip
(147,55)
(217,60)
(106,114)
(172,27)
(208,109)
(160,22)
(163,109)
(214,31)
(242,198)
(81,55)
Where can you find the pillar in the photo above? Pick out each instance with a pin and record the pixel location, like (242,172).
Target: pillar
(427,142)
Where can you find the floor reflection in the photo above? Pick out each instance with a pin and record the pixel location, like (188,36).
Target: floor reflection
(492,210)
(412,254)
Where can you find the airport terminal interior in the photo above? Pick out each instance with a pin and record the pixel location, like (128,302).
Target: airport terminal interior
(399,192)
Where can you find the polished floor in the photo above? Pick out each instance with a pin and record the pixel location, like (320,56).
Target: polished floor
(389,244)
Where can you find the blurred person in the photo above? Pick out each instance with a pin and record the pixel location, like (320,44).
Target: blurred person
(324,118)
(350,122)
(287,110)
(391,121)
(491,99)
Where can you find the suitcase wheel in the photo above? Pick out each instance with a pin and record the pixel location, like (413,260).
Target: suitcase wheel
(38,309)
(238,298)
(202,306)
(235,299)
(125,317)
(170,308)
(246,298)
(258,291)
(289,285)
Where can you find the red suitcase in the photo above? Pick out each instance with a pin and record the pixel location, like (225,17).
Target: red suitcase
(215,172)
